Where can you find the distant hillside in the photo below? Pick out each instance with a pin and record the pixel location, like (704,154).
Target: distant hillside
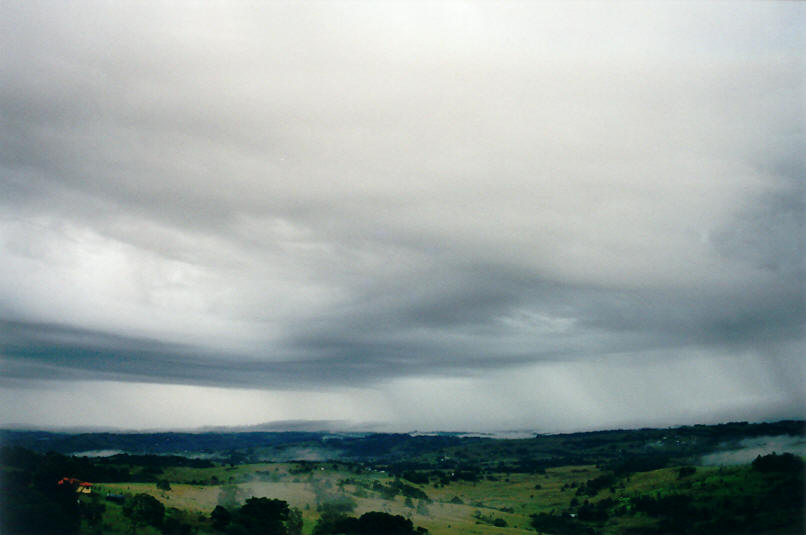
(424,450)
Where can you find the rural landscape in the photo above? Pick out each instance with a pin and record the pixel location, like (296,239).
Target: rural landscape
(719,479)
(402,267)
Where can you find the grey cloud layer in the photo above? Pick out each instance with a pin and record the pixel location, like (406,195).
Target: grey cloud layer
(288,196)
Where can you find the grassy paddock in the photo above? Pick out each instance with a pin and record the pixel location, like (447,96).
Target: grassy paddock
(459,507)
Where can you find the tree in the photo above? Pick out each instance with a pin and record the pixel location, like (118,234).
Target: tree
(372,523)
(174,526)
(220,517)
(144,510)
(294,523)
(377,523)
(264,516)
(29,511)
(93,511)
(163,485)
(783,463)
(328,522)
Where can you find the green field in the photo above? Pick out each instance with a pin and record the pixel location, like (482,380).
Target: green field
(460,507)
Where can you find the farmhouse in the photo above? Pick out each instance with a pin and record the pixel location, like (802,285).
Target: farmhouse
(82,487)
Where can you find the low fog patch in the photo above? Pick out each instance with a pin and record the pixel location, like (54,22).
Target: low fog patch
(753,447)
(96,453)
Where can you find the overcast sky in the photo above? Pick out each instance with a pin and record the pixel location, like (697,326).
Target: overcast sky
(475,216)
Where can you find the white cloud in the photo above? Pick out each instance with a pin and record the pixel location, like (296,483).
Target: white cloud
(397,192)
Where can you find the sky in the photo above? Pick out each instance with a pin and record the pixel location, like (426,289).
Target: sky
(474,216)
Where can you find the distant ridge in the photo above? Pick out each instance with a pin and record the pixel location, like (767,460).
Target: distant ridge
(345,427)
(313,426)
(64,429)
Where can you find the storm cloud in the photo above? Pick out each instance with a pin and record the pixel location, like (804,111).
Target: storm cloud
(300,198)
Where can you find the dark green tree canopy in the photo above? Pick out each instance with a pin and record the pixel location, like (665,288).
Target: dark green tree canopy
(372,523)
(258,516)
(784,463)
(144,509)
(221,517)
